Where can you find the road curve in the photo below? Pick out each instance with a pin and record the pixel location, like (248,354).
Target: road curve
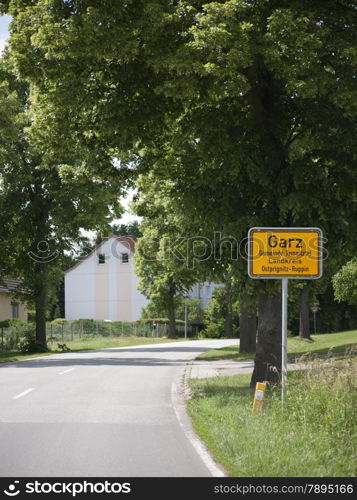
(98,413)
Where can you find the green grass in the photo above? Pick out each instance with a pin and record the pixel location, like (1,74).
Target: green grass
(336,343)
(94,343)
(229,352)
(315,435)
(8,356)
(105,342)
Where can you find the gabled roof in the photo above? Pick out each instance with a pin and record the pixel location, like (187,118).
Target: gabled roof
(9,286)
(128,241)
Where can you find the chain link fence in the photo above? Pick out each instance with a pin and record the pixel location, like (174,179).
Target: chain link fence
(87,329)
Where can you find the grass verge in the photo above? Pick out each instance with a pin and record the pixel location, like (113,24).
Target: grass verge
(328,343)
(314,436)
(334,343)
(86,344)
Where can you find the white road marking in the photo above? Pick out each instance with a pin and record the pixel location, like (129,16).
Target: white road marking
(23,393)
(181,415)
(66,371)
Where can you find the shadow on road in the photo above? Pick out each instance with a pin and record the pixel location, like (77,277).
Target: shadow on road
(91,358)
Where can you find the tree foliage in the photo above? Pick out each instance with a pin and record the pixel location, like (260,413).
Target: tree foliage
(161,258)
(345,282)
(195,313)
(244,110)
(215,315)
(43,205)
(129,229)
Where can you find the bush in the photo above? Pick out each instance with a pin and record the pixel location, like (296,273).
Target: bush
(215,315)
(29,344)
(12,322)
(59,321)
(90,326)
(212,331)
(161,321)
(17,322)
(84,321)
(345,283)
(194,309)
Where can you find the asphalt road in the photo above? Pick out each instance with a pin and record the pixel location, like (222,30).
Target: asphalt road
(109,412)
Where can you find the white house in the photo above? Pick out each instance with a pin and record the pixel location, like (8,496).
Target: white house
(203,292)
(104,286)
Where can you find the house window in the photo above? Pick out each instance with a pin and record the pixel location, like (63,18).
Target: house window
(14,310)
(101,258)
(124,258)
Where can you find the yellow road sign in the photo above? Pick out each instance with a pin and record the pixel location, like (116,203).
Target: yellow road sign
(276,252)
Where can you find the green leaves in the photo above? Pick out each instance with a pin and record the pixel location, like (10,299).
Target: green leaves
(345,282)
(243,112)
(45,198)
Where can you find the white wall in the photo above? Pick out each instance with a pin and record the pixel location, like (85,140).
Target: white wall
(104,291)
(110,291)
(203,292)
(79,291)
(138,299)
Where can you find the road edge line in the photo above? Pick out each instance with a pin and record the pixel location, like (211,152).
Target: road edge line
(179,406)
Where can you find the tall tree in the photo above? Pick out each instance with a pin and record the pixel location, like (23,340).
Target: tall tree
(161,259)
(273,81)
(43,205)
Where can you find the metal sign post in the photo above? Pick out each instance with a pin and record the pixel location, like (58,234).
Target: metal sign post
(284,335)
(284,253)
(314,309)
(185,319)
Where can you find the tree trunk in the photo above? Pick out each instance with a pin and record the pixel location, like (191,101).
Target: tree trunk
(247,329)
(228,321)
(304,329)
(40,304)
(267,365)
(172,321)
(228,324)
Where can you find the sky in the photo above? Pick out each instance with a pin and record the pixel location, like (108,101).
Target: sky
(127,217)
(4,23)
